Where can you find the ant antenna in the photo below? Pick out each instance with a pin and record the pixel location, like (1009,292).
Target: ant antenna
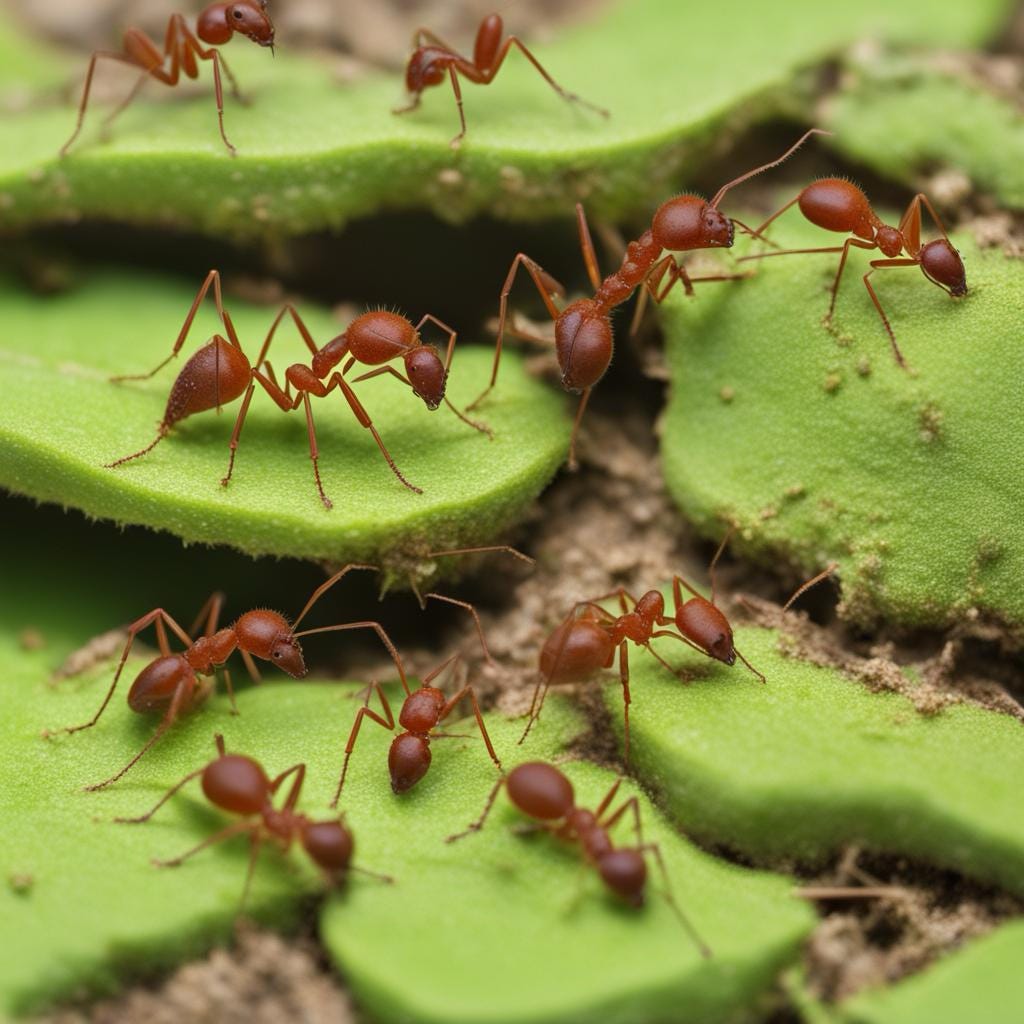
(720,194)
(826,572)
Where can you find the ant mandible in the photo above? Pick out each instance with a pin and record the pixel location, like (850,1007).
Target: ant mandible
(590,637)
(543,793)
(220,372)
(583,330)
(170,683)
(422,711)
(432,58)
(239,785)
(838,205)
(215,26)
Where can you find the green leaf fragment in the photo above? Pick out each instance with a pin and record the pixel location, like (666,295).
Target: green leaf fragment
(62,420)
(314,152)
(813,761)
(820,447)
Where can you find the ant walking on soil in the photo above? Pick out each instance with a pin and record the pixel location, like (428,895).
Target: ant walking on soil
(215,26)
(543,793)
(422,711)
(583,330)
(170,683)
(220,372)
(590,638)
(239,785)
(432,59)
(838,205)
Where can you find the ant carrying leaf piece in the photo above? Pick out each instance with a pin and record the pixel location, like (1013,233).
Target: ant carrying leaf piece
(171,684)
(545,795)
(239,785)
(220,372)
(183,49)
(838,205)
(433,59)
(583,330)
(590,638)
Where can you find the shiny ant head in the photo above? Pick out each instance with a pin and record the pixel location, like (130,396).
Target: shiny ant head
(219,22)
(700,621)
(889,240)
(268,635)
(329,844)
(426,374)
(689,222)
(423,70)
(625,873)
(941,263)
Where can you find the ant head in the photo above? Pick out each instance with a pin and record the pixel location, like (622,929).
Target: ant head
(426,374)
(583,344)
(408,761)
(625,873)
(237,784)
(329,844)
(219,22)
(700,621)
(941,263)
(689,222)
(423,70)
(889,240)
(267,635)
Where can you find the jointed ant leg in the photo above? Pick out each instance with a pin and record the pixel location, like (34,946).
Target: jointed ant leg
(210,611)
(581,408)
(471,693)
(167,796)
(86,89)
(670,899)
(327,585)
(714,562)
(456,140)
(479,823)
(476,621)
(624,679)
(587,247)
(380,631)
(387,721)
(569,97)
(824,574)
(229,832)
(875,265)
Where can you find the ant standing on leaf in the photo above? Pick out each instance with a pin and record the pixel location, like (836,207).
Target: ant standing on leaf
(543,793)
(433,59)
(838,205)
(170,683)
(239,785)
(215,26)
(590,638)
(583,330)
(220,372)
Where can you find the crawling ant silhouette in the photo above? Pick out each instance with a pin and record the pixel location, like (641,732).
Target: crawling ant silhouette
(170,682)
(432,58)
(220,372)
(583,330)
(838,205)
(215,26)
(422,711)
(590,638)
(543,793)
(239,785)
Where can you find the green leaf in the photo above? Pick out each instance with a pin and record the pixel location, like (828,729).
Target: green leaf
(813,761)
(982,982)
(315,153)
(907,118)
(908,480)
(62,419)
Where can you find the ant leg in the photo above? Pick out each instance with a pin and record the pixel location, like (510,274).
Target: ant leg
(255,841)
(778,213)
(233,82)
(226,674)
(182,693)
(541,691)
(670,899)
(314,451)
(299,771)
(327,584)
(86,89)
(471,693)
(476,620)
(363,417)
(651,650)
(236,433)
(546,286)
(388,722)
(875,265)
(134,629)
(211,612)
(824,574)
(714,561)
(675,636)
(237,828)
(167,796)
(581,408)
(569,97)
(380,631)
(218,91)
(479,823)
(587,247)
(123,105)
(624,679)
(250,666)
(457,139)
(386,879)
(760,675)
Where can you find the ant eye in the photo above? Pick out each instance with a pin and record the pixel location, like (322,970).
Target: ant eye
(237,13)
(277,654)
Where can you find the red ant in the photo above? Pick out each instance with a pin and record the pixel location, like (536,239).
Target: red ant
(432,58)
(590,637)
(543,793)
(239,785)
(216,25)
(838,205)
(220,371)
(170,683)
(583,330)
(422,711)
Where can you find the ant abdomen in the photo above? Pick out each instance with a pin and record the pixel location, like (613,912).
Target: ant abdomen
(942,263)
(236,783)
(575,651)
(155,685)
(836,204)
(408,761)
(215,375)
(540,791)
(583,344)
